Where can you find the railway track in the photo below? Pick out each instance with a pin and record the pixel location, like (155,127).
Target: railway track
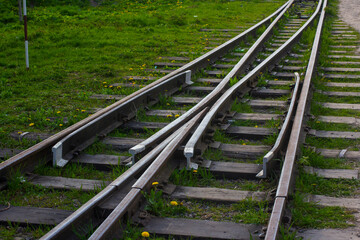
(233,110)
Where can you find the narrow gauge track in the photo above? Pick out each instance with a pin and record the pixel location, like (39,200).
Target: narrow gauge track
(127,189)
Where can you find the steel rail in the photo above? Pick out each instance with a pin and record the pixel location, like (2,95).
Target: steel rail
(113,222)
(112,119)
(189,149)
(87,134)
(296,136)
(81,215)
(29,158)
(279,143)
(211,97)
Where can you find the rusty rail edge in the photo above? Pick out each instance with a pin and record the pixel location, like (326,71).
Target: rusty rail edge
(226,97)
(79,217)
(207,101)
(279,144)
(296,136)
(30,157)
(113,222)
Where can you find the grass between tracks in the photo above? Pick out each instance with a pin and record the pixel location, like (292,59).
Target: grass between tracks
(77,50)
(308,214)
(245,211)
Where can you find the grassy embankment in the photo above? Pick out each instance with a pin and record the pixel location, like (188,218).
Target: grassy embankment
(77,50)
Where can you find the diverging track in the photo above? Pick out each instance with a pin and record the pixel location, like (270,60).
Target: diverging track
(233,110)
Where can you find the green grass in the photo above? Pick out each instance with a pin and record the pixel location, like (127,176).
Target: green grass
(333,143)
(12,231)
(240,107)
(323,126)
(74,48)
(22,193)
(311,158)
(72,170)
(244,211)
(317,110)
(310,215)
(251,211)
(204,178)
(312,184)
(159,206)
(318,97)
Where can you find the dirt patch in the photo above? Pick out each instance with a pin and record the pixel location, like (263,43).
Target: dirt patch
(350,13)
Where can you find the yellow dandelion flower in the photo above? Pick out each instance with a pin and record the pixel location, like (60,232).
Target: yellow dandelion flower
(256,126)
(169,115)
(131,78)
(145,234)
(130,69)
(168,104)
(77,109)
(155,183)
(177,115)
(19,133)
(83,110)
(60,125)
(104,82)
(194,171)
(174,203)
(244,144)
(48,119)
(58,112)
(105,86)
(110,86)
(31,124)
(317,121)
